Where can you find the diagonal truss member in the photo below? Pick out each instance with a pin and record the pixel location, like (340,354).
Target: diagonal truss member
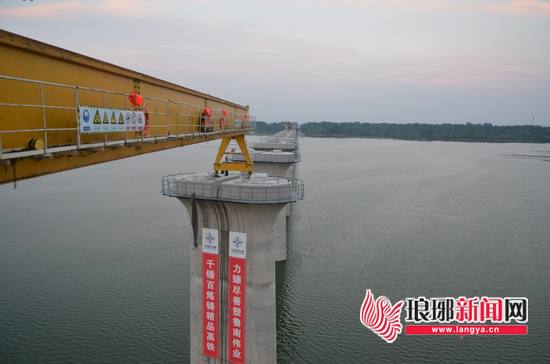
(246,166)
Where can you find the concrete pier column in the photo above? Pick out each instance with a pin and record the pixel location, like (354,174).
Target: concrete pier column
(275,164)
(276,155)
(279,236)
(256,221)
(280,228)
(232,205)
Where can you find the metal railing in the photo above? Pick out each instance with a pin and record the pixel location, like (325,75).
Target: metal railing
(165,121)
(285,190)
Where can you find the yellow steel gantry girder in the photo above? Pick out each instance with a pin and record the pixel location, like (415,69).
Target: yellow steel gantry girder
(42,88)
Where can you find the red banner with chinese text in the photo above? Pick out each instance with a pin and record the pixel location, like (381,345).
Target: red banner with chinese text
(237,298)
(210,293)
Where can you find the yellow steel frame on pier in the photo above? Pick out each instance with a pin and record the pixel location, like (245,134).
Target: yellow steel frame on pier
(41,87)
(246,166)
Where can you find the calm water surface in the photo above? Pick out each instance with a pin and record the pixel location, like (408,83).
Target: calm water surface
(94,262)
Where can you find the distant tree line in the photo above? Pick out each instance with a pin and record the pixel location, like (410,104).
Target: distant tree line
(264,128)
(447,132)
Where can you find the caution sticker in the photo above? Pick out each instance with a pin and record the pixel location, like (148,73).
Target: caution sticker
(102,120)
(97,118)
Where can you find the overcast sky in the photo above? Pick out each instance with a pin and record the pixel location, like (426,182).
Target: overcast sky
(335,60)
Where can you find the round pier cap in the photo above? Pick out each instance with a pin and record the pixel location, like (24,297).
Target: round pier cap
(272,156)
(258,178)
(259,188)
(201,176)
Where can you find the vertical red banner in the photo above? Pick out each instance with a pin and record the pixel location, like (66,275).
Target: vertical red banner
(236,348)
(210,293)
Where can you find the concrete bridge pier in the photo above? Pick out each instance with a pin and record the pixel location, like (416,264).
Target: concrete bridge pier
(256,221)
(275,164)
(233,218)
(280,226)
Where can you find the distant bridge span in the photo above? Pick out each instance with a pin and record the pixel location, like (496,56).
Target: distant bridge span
(48,98)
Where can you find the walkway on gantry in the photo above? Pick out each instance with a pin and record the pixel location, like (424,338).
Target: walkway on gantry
(47,94)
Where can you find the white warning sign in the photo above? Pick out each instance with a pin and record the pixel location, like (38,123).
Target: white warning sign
(102,120)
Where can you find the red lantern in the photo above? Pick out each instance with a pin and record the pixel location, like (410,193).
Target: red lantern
(135,99)
(222,118)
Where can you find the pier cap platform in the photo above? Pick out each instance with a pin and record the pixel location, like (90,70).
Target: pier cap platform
(255,189)
(275,143)
(275,156)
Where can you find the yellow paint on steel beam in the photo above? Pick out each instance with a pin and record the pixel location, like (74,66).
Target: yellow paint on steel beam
(246,166)
(41,87)
(28,45)
(31,167)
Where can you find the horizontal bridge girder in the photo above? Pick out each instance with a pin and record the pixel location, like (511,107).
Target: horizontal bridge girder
(35,165)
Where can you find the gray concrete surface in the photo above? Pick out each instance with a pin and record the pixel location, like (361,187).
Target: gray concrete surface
(249,205)
(257,222)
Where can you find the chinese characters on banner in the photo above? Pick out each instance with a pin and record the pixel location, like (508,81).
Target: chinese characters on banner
(210,293)
(237,298)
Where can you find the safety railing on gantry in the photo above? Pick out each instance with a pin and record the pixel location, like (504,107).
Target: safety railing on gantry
(50,113)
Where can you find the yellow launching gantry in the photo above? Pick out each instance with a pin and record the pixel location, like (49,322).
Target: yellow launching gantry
(61,110)
(246,166)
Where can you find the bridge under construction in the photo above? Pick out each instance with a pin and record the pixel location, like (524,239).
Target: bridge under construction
(61,110)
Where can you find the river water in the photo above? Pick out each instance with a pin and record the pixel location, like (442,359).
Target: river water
(94,261)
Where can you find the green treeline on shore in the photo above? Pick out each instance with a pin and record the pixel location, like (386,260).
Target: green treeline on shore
(446,132)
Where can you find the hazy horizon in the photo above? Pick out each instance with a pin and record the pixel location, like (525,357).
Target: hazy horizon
(397,61)
(547,125)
